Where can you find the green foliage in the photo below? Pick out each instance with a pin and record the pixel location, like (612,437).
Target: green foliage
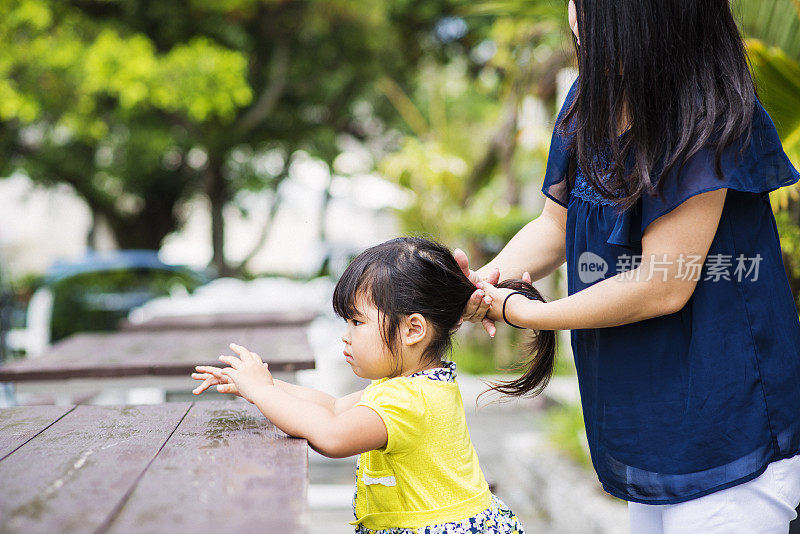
(139,104)
(98,301)
(774,51)
(473,359)
(778,78)
(776,23)
(437,165)
(566,430)
(789,234)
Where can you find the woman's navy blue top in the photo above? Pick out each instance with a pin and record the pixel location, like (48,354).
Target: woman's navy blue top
(685,404)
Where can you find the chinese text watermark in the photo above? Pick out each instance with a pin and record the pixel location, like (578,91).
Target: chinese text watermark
(718,267)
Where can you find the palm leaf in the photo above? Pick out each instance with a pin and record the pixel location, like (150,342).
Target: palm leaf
(775,23)
(778,78)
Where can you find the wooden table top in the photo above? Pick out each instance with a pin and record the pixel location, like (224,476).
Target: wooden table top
(195,467)
(164,352)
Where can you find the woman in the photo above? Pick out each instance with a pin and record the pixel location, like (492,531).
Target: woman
(684,331)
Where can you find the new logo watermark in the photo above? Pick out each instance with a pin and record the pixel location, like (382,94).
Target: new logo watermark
(592,267)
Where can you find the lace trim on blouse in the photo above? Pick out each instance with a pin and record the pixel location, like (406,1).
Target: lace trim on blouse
(583,190)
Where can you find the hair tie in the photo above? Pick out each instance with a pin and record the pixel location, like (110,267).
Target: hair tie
(504,307)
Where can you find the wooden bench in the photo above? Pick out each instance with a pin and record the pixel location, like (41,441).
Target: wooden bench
(162,352)
(179,467)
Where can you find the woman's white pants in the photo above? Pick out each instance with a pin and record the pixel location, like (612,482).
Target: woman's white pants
(764,505)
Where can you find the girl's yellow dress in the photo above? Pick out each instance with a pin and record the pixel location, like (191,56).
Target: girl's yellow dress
(427,478)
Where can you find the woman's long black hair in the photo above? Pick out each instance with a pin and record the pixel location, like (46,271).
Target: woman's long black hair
(681,69)
(410,275)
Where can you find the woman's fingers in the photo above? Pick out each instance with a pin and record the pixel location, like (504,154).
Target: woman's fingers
(471,312)
(463,262)
(526,277)
(493,277)
(489,326)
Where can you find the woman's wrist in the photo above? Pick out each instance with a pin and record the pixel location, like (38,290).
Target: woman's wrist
(519,311)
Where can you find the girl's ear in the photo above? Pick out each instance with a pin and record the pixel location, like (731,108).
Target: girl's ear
(414,329)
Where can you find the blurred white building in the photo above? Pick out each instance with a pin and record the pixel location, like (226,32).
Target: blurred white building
(40,225)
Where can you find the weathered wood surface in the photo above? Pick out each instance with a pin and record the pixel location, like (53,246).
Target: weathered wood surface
(223,320)
(178,467)
(240,474)
(72,475)
(161,352)
(20,424)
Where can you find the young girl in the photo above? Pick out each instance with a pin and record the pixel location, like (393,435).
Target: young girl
(417,471)
(684,329)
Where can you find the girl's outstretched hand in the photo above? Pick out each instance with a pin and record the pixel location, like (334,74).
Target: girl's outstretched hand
(248,373)
(212,376)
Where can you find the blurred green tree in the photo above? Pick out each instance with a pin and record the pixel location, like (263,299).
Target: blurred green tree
(462,158)
(773,45)
(772,30)
(138,104)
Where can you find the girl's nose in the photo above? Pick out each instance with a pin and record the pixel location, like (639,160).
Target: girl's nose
(344,339)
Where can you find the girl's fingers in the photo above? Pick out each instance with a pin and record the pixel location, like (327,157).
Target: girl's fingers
(526,277)
(207,369)
(245,354)
(233,361)
(204,386)
(228,388)
(202,376)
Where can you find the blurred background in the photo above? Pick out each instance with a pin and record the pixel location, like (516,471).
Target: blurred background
(169,158)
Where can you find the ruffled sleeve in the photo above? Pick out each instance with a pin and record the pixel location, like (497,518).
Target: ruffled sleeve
(401,405)
(555,184)
(762,167)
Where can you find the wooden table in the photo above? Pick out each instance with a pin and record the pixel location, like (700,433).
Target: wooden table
(162,352)
(177,467)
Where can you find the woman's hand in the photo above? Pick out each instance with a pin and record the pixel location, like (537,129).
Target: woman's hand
(249,374)
(499,296)
(480,302)
(212,376)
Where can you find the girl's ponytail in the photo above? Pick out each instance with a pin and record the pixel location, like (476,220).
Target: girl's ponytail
(542,351)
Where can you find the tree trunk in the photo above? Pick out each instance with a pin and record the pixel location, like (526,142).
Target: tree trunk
(217,192)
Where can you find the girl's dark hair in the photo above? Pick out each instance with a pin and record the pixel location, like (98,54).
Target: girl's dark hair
(410,275)
(680,67)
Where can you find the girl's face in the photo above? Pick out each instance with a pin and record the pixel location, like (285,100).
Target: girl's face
(573,19)
(364,348)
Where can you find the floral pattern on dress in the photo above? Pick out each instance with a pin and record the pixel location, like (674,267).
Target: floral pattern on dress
(497,519)
(446,373)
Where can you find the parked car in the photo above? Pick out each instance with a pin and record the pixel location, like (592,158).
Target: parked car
(95,293)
